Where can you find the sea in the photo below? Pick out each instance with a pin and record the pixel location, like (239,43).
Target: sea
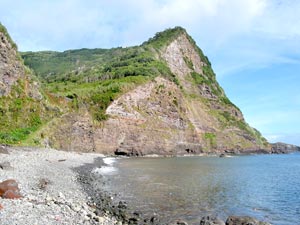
(266,187)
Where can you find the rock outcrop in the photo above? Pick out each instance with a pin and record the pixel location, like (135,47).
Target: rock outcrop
(280,148)
(244,220)
(13,70)
(23,108)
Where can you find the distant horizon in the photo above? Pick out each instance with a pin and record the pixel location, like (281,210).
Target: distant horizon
(256,58)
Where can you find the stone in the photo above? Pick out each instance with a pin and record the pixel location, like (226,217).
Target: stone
(181,222)
(76,208)
(1,207)
(211,220)
(9,189)
(43,183)
(244,220)
(100,219)
(3,150)
(5,166)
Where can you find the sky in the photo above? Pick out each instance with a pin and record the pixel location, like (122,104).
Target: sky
(253,45)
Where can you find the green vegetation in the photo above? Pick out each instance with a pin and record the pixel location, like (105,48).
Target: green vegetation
(211,139)
(20,116)
(91,79)
(161,39)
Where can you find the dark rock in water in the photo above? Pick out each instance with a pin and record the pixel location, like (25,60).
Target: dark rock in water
(5,166)
(9,189)
(244,220)
(222,155)
(211,220)
(233,151)
(178,222)
(133,220)
(122,205)
(3,150)
(282,148)
(154,220)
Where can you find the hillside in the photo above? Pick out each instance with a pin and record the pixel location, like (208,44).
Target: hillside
(161,97)
(23,106)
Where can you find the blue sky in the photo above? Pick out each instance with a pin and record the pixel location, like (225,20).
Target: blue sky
(254,45)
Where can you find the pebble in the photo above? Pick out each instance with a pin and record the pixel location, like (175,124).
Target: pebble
(62,202)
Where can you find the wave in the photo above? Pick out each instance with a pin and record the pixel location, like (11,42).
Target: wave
(105,170)
(109,160)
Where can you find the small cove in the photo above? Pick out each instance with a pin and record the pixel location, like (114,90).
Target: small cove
(266,187)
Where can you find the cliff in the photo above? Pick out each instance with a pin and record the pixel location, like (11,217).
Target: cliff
(161,97)
(283,148)
(22,104)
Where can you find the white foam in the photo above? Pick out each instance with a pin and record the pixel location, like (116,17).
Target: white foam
(105,170)
(109,160)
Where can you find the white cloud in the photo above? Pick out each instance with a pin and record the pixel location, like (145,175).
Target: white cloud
(69,23)
(236,35)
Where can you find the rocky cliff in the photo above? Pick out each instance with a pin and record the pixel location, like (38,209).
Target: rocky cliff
(283,148)
(158,98)
(22,105)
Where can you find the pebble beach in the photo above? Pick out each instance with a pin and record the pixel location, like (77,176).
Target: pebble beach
(48,182)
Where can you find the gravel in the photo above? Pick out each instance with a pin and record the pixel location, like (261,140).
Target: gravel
(49,183)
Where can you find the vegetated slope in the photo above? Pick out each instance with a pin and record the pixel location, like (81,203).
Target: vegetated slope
(158,98)
(23,108)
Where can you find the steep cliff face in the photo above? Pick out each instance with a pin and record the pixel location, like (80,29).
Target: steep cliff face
(22,106)
(11,68)
(189,114)
(158,98)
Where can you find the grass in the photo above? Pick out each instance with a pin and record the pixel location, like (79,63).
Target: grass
(211,139)
(17,135)
(93,78)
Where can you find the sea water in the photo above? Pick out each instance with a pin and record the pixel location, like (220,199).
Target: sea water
(266,187)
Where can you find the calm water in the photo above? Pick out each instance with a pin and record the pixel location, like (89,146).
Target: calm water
(264,186)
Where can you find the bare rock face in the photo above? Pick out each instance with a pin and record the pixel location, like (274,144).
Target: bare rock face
(11,68)
(73,132)
(149,120)
(280,148)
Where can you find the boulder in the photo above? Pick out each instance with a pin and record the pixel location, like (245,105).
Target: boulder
(9,189)
(244,220)
(211,220)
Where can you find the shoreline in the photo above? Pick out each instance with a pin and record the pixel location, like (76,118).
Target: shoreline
(61,187)
(48,182)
